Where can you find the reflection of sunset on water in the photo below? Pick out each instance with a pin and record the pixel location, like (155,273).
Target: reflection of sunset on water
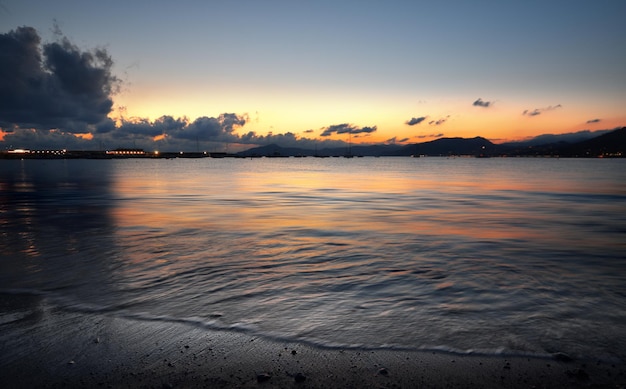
(478,203)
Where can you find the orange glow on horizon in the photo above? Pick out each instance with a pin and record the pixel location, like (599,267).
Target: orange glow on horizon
(501,122)
(85,136)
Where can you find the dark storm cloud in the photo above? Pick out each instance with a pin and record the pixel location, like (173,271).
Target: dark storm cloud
(37,139)
(481,103)
(288,139)
(161,126)
(105,126)
(539,111)
(210,128)
(415,121)
(216,129)
(347,129)
(56,85)
(594,121)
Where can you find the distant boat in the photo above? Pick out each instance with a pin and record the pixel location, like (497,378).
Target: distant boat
(349,154)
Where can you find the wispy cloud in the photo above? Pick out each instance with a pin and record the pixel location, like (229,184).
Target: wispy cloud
(414,121)
(481,103)
(424,136)
(439,122)
(594,121)
(395,140)
(539,111)
(346,128)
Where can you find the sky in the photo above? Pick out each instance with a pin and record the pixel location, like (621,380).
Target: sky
(227,75)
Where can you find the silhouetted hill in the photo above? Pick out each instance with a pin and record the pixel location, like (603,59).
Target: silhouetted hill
(452,146)
(552,139)
(609,144)
(612,144)
(274,150)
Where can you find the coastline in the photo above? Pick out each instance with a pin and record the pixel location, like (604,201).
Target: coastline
(43,346)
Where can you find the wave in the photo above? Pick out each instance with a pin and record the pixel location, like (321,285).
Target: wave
(57,302)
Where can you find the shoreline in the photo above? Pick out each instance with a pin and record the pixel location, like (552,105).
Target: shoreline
(43,346)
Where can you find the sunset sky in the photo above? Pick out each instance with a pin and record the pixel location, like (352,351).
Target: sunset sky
(252,72)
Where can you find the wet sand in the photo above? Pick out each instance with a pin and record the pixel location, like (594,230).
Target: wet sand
(41,346)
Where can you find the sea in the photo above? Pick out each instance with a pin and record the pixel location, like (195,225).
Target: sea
(493,256)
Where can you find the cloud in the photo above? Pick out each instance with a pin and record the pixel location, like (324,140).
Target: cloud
(594,121)
(539,111)
(220,128)
(395,140)
(176,132)
(144,127)
(481,103)
(56,85)
(346,129)
(430,136)
(438,122)
(415,121)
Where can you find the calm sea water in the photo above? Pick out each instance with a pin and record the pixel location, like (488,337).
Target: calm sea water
(520,256)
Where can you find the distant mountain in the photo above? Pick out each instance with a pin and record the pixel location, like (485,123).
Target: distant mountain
(572,137)
(274,150)
(611,143)
(452,146)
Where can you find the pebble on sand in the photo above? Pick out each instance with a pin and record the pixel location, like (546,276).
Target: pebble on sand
(300,377)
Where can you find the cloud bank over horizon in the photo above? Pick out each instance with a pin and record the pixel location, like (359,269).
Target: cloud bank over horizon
(55,95)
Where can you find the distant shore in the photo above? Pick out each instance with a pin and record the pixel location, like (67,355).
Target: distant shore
(45,347)
(610,144)
(82,154)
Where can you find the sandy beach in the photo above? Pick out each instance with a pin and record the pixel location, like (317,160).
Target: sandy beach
(43,346)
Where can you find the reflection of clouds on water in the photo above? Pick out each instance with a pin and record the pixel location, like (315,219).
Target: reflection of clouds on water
(55,223)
